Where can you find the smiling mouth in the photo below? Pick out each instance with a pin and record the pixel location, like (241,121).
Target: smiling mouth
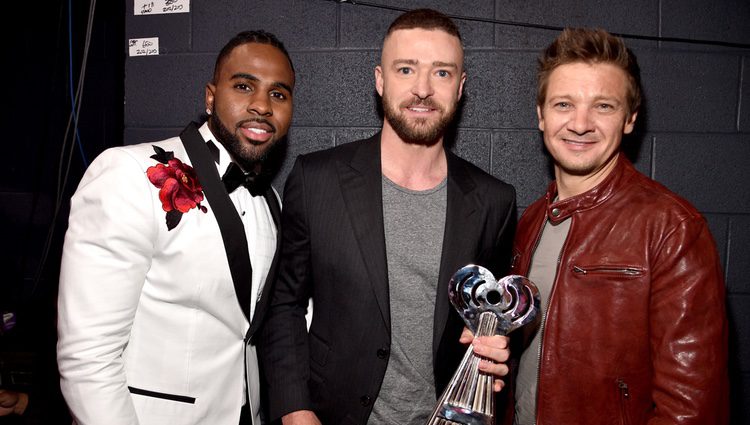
(579,142)
(420,109)
(421,106)
(257,134)
(257,130)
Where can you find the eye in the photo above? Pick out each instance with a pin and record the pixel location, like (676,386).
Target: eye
(243,87)
(278,95)
(562,105)
(443,73)
(605,107)
(404,70)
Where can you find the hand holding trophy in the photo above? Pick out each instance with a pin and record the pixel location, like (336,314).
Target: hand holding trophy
(488,307)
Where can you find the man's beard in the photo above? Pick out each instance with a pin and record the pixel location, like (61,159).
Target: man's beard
(419,132)
(249,154)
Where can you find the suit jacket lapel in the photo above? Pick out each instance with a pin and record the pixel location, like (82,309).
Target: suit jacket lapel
(230,224)
(361,186)
(458,239)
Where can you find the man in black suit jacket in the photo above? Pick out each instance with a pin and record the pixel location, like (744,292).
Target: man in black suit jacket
(373,231)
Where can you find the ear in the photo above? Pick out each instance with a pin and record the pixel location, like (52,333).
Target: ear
(209,101)
(461,85)
(630,123)
(540,117)
(379,80)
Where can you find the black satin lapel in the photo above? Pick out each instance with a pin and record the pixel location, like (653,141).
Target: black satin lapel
(458,241)
(273,205)
(262,305)
(230,224)
(362,189)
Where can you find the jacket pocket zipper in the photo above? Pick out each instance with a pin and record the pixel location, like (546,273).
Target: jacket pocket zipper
(630,271)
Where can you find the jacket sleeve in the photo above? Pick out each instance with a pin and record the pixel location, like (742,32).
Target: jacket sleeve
(688,329)
(106,254)
(284,347)
(503,247)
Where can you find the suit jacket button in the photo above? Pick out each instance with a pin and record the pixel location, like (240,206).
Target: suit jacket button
(382,353)
(365,400)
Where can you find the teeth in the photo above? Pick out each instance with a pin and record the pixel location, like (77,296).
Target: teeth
(420,109)
(258,130)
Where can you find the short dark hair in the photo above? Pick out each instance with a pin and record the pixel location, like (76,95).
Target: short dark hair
(427,19)
(245,37)
(590,46)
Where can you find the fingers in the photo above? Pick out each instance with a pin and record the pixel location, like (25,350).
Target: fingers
(466,336)
(495,352)
(493,348)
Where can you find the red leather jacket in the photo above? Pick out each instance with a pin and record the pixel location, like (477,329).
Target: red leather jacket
(635,329)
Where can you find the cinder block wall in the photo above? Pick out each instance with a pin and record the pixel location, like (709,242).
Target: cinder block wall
(693,135)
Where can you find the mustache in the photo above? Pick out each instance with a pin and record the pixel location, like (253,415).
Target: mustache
(426,102)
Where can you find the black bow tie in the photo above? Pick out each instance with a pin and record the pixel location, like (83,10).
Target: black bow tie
(234,177)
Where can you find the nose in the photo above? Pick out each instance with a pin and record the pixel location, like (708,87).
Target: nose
(580,122)
(260,104)
(422,87)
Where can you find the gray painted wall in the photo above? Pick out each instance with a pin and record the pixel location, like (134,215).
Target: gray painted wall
(693,135)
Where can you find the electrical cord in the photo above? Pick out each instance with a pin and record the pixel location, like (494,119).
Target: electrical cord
(67,149)
(74,99)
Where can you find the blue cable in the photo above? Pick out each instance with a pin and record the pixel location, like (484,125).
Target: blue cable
(72,97)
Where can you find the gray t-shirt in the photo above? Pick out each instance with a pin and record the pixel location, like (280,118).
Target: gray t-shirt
(414,226)
(542,273)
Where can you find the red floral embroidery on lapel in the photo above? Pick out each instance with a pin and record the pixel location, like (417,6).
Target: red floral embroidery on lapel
(179,188)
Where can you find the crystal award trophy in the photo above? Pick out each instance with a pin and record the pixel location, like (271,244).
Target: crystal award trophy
(488,307)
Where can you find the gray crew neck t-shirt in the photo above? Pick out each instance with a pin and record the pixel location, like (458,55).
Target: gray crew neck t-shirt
(414,225)
(542,272)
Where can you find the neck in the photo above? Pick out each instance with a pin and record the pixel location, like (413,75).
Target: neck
(413,166)
(569,185)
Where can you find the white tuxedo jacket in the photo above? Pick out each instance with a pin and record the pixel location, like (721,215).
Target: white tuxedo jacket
(150,327)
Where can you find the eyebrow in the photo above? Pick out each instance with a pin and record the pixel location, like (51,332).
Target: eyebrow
(251,77)
(570,98)
(416,62)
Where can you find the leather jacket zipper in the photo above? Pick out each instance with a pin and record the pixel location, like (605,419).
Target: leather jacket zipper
(544,314)
(631,271)
(624,397)
(541,325)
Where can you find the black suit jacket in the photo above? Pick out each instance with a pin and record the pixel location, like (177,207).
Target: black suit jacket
(333,249)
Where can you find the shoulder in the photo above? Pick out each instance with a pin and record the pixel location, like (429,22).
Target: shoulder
(141,154)
(643,192)
(124,168)
(533,211)
(361,155)
(337,153)
(485,182)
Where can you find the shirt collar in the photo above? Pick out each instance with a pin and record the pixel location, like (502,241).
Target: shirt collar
(224,158)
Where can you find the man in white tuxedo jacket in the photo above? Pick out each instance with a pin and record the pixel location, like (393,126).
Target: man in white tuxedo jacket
(167,255)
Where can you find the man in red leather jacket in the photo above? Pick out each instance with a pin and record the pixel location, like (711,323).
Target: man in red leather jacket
(634,328)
